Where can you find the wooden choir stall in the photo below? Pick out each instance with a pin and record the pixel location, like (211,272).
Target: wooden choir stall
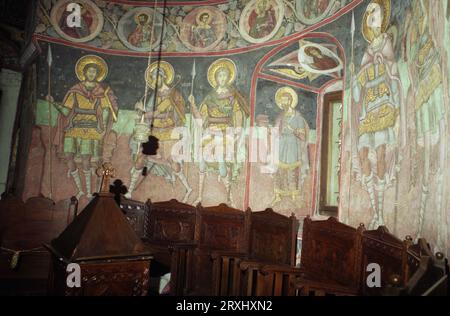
(122,245)
(228,252)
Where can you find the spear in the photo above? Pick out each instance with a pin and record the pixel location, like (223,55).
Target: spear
(352,31)
(193,74)
(349,107)
(49,64)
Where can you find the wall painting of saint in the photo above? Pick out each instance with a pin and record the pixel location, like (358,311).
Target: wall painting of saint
(318,59)
(261,20)
(140,29)
(313,11)
(203,28)
(89,26)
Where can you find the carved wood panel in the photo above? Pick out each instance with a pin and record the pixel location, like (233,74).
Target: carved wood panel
(127,278)
(170,222)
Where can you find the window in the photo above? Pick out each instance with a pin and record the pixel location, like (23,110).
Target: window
(330,158)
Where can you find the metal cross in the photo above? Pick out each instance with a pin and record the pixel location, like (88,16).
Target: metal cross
(106,171)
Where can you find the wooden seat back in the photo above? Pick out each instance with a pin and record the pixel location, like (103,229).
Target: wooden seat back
(389,252)
(273,237)
(331,252)
(218,229)
(170,222)
(261,269)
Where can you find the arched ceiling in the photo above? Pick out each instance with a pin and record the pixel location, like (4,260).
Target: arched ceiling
(233,24)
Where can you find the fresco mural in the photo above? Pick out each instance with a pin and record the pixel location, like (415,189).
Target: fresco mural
(293,165)
(195,78)
(140,29)
(315,58)
(232,25)
(196,74)
(316,70)
(158,113)
(222,108)
(260,20)
(376,106)
(91,21)
(217,91)
(84,120)
(429,96)
(203,28)
(285,127)
(395,153)
(314,11)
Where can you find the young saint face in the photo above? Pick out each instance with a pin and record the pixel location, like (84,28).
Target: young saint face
(204,18)
(222,77)
(159,77)
(375,17)
(91,73)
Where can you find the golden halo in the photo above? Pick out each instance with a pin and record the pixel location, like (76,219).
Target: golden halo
(280,92)
(366,30)
(219,64)
(142,12)
(210,14)
(91,59)
(163,66)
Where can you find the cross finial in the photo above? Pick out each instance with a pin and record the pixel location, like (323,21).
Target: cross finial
(106,171)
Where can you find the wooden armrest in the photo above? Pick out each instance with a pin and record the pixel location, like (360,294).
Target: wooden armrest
(182,245)
(220,253)
(250,264)
(282,268)
(328,287)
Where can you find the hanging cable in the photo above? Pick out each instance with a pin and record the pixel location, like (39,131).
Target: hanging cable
(158,62)
(149,60)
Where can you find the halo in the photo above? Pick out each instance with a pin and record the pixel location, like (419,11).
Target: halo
(197,18)
(280,92)
(91,59)
(366,30)
(164,66)
(219,64)
(142,12)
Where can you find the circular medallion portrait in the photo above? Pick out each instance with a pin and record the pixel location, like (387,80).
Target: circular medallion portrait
(77,20)
(318,59)
(140,29)
(203,28)
(260,20)
(314,11)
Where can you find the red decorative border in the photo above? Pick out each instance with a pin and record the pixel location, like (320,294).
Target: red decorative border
(288,82)
(169,3)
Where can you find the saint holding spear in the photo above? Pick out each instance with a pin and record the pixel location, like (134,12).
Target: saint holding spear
(160,113)
(85,118)
(377,108)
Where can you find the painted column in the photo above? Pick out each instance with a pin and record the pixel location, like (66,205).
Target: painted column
(10,87)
